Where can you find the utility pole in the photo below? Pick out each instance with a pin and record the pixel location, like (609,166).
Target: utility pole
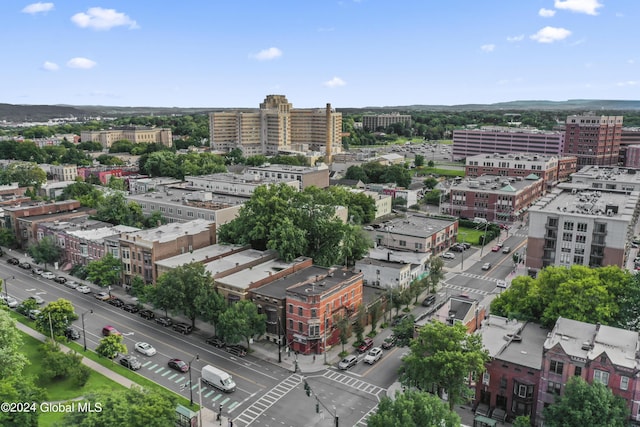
(279,341)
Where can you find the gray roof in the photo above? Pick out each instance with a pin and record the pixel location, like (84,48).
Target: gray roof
(589,341)
(198,255)
(513,341)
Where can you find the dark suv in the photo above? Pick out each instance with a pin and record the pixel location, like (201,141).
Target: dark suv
(216,341)
(183,328)
(116,302)
(164,321)
(236,350)
(71,333)
(147,314)
(131,308)
(13,261)
(429,301)
(131,362)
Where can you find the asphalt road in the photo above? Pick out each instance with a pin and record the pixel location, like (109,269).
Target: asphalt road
(253,376)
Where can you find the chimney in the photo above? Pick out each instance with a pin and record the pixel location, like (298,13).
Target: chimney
(327,157)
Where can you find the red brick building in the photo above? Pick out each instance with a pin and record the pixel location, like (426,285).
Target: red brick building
(314,304)
(593,139)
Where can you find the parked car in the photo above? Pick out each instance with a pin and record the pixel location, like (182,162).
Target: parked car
(373,356)
(60,279)
(506,249)
(72,284)
(102,296)
(147,314)
(215,341)
(496,248)
(183,328)
(116,302)
(36,270)
(84,289)
(145,348)
(502,284)
(365,345)
(13,261)
(466,245)
(131,362)
(10,301)
(236,350)
(37,299)
(164,321)
(71,333)
(25,265)
(456,248)
(179,365)
(486,266)
(389,342)
(348,362)
(429,300)
(33,314)
(131,308)
(48,275)
(448,255)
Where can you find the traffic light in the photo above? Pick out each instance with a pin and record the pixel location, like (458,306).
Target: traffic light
(307,389)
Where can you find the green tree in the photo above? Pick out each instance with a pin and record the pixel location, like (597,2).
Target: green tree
(105,272)
(87,194)
(20,389)
(241,320)
(404,330)
(430,183)
(436,272)
(13,359)
(433,197)
(25,174)
(45,251)
(344,329)
(7,238)
(418,160)
(165,295)
(445,356)
(56,317)
(522,421)
(110,346)
(375,312)
(356,173)
(359,324)
(129,407)
(398,174)
(57,364)
(587,405)
(115,209)
(413,409)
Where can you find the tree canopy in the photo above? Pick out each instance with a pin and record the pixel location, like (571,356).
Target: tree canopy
(444,356)
(413,409)
(45,251)
(584,404)
(606,295)
(298,224)
(105,271)
(56,317)
(13,360)
(241,321)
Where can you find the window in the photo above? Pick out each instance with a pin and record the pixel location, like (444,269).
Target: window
(314,312)
(568,225)
(601,376)
(403,243)
(578,371)
(299,311)
(486,377)
(582,227)
(624,383)
(300,328)
(522,391)
(581,238)
(556,367)
(567,237)
(553,387)
(291,308)
(291,324)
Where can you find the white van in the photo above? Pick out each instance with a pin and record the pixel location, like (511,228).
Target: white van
(479,220)
(218,378)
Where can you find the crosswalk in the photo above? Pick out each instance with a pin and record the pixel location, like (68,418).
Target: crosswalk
(215,396)
(353,382)
(465,289)
(266,401)
(478,277)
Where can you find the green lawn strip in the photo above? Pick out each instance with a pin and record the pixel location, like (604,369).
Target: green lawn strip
(63,390)
(426,171)
(471,235)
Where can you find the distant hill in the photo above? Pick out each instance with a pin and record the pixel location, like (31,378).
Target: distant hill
(43,113)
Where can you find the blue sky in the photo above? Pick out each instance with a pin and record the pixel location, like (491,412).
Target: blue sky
(350,53)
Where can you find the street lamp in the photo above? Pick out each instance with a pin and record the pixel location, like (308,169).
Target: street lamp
(196,357)
(6,291)
(84,335)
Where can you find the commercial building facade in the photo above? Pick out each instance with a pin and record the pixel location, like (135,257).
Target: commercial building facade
(134,134)
(501,140)
(593,139)
(372,122)
(276,127)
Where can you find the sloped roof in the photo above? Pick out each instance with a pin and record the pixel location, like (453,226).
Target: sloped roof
(508,188)
(532,177)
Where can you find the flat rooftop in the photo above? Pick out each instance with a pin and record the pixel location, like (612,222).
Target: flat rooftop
(496,184)
(199,255)
(247,276)
(169,232)
(588,203)
(599,173)
(414,225)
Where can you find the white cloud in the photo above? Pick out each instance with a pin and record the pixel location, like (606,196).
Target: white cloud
(512,39)
(335,82)
(550,34)
(83,63)
(580,6)
(98,18)
(50,66)
(267,54)
(488,47)
(628,83)
(34,8)
(546,13)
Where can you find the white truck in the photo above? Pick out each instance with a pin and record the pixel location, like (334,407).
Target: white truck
(218,378)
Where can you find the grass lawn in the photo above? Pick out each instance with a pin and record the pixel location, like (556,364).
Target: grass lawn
(471,235)
(425,171)
(66,389)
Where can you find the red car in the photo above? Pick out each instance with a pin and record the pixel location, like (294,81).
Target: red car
(496,248)
(365,345)
(179,365)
